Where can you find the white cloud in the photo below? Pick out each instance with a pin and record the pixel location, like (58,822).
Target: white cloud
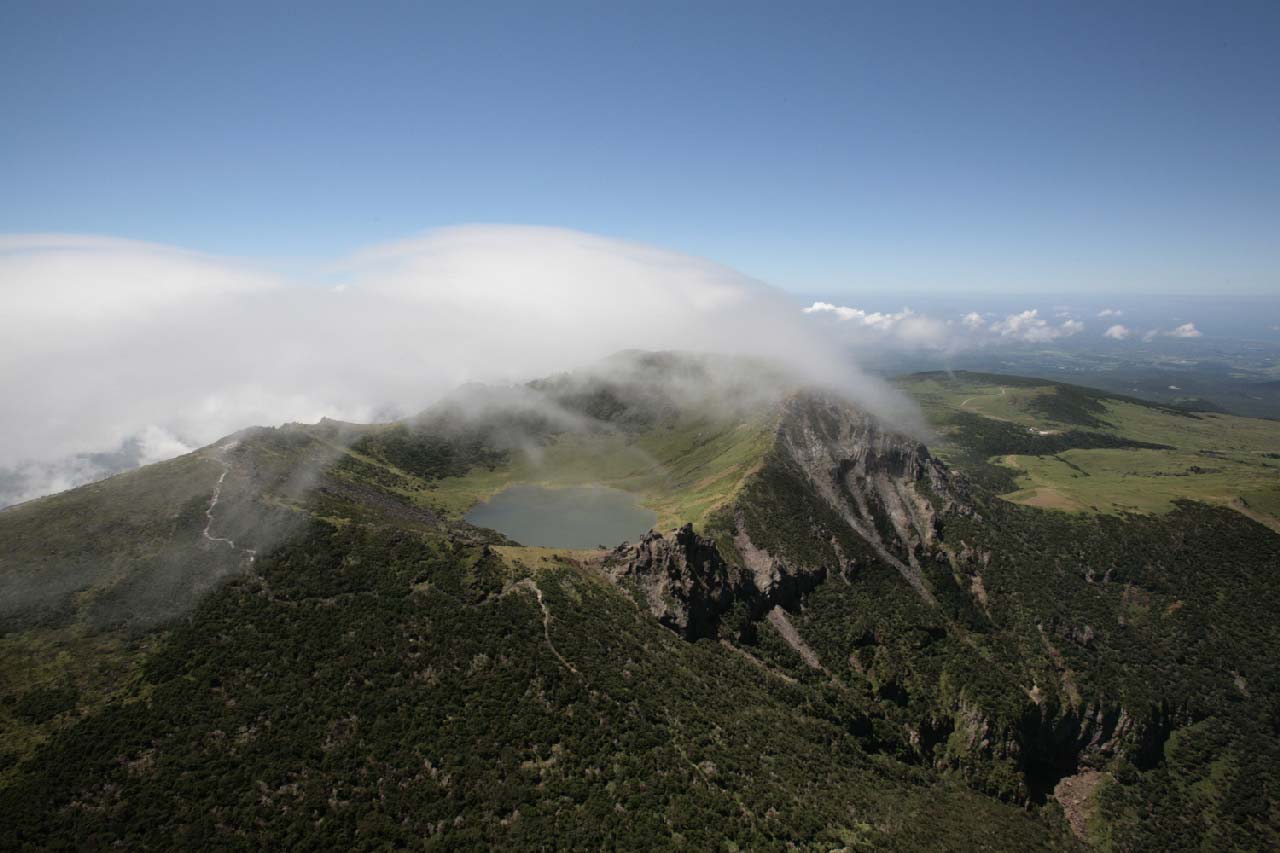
(874,320)
(908,329)
(1030,327)
(155,444)
(32,478)
(1110,312)
(107,342)
(1118,332)
(1186,330)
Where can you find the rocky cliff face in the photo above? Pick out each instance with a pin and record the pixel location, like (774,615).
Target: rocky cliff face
(882,485)
(1046,744)
(684,580)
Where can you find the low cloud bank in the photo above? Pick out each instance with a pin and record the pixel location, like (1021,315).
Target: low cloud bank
(115,353)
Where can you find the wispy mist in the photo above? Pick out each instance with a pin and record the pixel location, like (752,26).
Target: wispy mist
(111,342)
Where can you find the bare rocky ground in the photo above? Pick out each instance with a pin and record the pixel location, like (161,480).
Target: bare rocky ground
(1074,794)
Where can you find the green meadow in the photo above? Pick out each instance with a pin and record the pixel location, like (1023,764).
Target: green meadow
(1215,458)
(682,470)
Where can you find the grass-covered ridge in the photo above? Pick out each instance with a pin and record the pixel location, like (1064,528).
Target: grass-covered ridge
(682,433)
(683,470)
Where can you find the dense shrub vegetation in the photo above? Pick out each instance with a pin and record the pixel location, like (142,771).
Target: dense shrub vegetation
(370,687)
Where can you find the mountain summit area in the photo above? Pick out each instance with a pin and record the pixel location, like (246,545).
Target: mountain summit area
(1037,616)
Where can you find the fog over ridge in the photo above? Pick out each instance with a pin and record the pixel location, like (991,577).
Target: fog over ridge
(116,346)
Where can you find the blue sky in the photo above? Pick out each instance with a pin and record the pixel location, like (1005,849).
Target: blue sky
(835,148)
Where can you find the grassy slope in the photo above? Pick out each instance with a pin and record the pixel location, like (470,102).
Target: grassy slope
(1214,458)
(92,579)
(682,470)
(66,573)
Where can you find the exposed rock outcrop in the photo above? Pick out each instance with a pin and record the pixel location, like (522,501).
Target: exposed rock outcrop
(882,484)
(685,581)
(688,584)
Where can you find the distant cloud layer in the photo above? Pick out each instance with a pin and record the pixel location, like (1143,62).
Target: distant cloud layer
(115,352)
(972,329)
(909,329)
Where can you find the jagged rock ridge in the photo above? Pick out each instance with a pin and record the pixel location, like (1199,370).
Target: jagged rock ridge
(684,580)
(880,483)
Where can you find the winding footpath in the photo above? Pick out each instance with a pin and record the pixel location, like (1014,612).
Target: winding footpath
(531,584)
(213,502)
(965,402)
